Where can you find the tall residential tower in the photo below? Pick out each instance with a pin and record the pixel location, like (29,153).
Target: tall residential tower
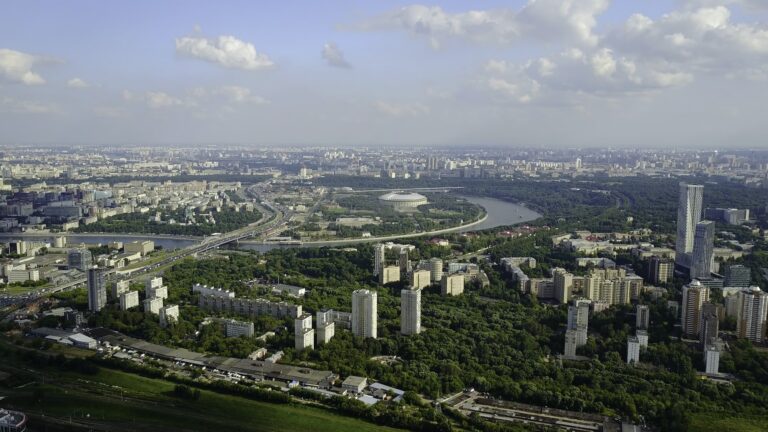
(688,215)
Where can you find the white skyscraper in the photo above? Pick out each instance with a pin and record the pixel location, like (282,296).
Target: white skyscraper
(326,327)
(694,296)
(410,311)
(703,248)
(642,319)
(712,359)
(753,313)
(364,313)
(633,350)
(305,335)
(97,289)
(688,215)
(578,320)
(379,258)
(563,282)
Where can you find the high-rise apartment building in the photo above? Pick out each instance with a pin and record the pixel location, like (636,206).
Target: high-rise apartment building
(563,283)
(410,311)
(364,313)
(80,259)
(643,318)
(305,335)
(710,323)
(97,289)
(694,296)
(633,350)
(379,258)
(738,275)
(753,314)
(326,327)
(660,270)
(688,215)
(703,248)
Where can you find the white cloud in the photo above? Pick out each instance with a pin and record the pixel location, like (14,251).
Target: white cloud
(402,109)
(197,98)
(16,66)
(334,56)
(697,39)
(158,99)
(77,83)
(232,94)
(572,20)
(227,51)
(15,106)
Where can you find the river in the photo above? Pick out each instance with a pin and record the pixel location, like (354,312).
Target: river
(499,213)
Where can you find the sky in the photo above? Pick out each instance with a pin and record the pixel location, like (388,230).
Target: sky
(518,73)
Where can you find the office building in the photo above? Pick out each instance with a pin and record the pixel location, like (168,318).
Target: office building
(421,279)
(452,285)
(753,313)
(129,300)
(643,317)
(410,311)
(688,215)
(326,326)
(633,350)
(379,258)
(305,335)
(703,249)
(389,274)
(143,248)
(153,305)
(660,270)
(710,323)
(436,269)
(563,284)
(364,313)
(738,275)
(97,289)
(169,315)
(234,328)
(120,287)
(694,296)
(80,259)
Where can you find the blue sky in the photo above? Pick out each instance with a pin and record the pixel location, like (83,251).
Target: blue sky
(557,73)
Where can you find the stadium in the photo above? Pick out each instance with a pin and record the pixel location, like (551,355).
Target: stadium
(400,200)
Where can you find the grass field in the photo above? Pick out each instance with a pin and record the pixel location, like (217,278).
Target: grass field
(722,423)
(115,400)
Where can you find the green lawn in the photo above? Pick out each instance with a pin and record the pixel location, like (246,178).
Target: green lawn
(721,423)
(117,400)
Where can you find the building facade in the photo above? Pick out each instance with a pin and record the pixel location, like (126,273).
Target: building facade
(364,313)
(688,215)
(410,311)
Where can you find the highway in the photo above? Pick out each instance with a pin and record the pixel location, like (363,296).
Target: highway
(276,220)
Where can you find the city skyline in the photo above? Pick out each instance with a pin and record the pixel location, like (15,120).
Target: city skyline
(494,73)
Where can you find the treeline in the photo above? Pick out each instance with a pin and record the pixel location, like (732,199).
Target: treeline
(139,223)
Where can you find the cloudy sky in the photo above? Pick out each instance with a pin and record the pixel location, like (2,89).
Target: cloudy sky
(517,73)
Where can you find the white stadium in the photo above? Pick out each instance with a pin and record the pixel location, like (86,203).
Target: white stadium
(400,200)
